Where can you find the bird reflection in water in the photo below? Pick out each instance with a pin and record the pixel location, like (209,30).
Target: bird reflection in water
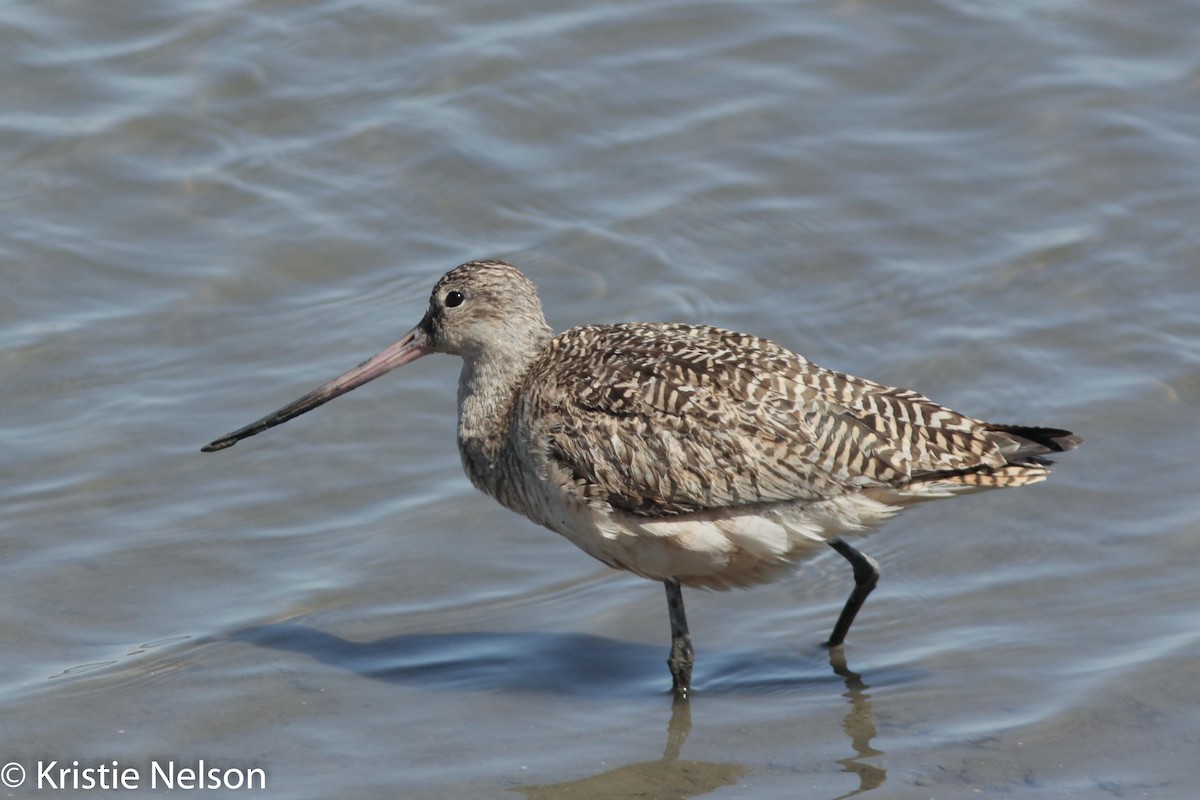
(672,778)
(667,778)
(859,725)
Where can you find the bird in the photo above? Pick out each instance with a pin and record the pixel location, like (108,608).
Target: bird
(687,454)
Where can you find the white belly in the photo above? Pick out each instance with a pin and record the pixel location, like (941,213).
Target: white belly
(717,549)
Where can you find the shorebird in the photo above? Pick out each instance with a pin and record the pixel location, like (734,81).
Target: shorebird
(686,454)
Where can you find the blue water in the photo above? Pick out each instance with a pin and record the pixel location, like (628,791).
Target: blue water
(212,207)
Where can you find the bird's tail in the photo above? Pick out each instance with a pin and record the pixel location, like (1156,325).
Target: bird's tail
(1032,443)
(1025,449)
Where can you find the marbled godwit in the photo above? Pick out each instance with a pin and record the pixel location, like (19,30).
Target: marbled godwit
(686,454)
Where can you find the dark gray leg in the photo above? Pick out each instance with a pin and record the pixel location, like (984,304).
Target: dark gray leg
(866,576)
(682,655)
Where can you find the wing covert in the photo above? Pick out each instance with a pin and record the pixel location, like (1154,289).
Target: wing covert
(661,419)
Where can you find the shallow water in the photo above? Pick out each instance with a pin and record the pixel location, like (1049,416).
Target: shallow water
(212,207)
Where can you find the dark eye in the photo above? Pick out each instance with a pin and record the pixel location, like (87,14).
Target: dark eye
(454,299)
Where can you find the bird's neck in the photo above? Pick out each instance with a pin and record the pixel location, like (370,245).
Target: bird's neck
(487,391)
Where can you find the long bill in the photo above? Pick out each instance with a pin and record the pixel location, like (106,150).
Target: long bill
(414,345)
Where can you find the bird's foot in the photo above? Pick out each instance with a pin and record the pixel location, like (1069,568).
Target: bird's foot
(680,663)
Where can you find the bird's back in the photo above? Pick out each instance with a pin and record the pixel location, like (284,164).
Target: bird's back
(662,419)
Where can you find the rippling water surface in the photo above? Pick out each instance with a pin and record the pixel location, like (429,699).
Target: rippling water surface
(212,206)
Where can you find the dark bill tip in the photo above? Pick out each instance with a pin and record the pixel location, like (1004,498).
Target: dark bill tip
(410,348)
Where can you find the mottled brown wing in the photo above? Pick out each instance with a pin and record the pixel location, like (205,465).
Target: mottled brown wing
(668,419)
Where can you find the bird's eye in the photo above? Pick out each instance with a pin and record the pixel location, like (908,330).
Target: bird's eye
(454,299)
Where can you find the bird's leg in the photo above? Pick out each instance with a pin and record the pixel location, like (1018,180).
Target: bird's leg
(682,655)
(866,576)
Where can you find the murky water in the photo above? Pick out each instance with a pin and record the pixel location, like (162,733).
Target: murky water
(211,207)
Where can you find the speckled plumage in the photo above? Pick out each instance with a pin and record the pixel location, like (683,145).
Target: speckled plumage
(695,453)
(686,453)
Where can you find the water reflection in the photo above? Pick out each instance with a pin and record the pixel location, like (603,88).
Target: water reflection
(859,726)
(668,777)
(572,664)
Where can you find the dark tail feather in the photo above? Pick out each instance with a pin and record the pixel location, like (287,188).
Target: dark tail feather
(1037,441)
